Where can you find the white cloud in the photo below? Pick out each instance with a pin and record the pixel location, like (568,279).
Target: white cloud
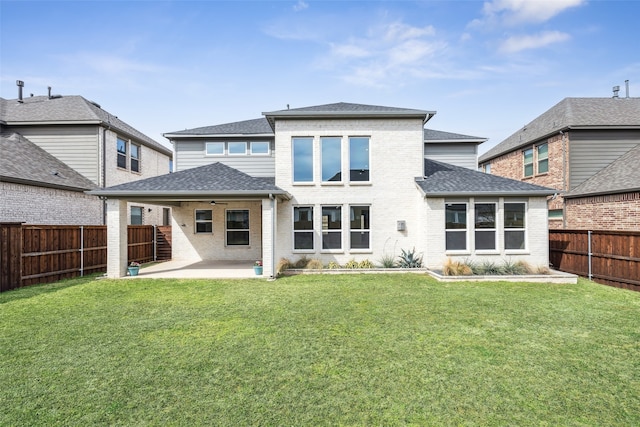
(301,5)
(519,43)
(516,12)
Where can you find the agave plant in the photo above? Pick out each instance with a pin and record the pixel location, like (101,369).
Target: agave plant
(409,259)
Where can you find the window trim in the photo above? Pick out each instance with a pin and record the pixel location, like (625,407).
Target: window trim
(525,163)
(538,159)
(120,154)
(227,229)
(230,154)
(293,160)
(138,158)
(322,180)
(268,153)
(324,231)
(363,230)
(467,249)
(524,229)
(364,182)
(495,228)
(206,149)
(196,221)
(294,231)
(141,215)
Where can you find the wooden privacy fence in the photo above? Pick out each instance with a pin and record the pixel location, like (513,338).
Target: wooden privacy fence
(608,257)
(31,254)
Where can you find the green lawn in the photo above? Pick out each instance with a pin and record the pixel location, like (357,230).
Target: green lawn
(319,350)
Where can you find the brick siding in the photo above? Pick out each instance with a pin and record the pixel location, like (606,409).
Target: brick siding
(610,212)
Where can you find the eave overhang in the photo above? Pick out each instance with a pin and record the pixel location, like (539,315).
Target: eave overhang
(425,116)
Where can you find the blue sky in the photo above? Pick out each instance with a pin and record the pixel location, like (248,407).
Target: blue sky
(486,67)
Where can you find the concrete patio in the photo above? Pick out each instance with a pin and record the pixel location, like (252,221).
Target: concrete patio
(198,270)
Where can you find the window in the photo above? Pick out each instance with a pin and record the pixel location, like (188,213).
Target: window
(237,227)
(487,168)
(331,149)
(543,158)
(555,214)
(303,228)
(528,162)
(204,221)
(332,227)
(514,225)
(485,226)
(359,159)
(122,153)
(360,227)
(166,216)
(135,158)
(215,148)
(136,215)
(456,226)
(302,159)
(259,147)
(237,148)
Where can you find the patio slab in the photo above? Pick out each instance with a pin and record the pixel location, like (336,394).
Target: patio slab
(198,270)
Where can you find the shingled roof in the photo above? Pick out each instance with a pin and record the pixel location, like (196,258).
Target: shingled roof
(245,128)
(216,179)
(442,179)
(23,162)
(573,113)
(72,109)
(621,176)
(432,135)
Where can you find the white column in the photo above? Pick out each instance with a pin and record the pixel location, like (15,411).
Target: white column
(116,238)
(269,207)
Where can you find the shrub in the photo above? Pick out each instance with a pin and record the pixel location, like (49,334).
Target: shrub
(352,263)
(456,268)
(302,262)
(514,268)
(387,261)
(409,259)
(541,269)
(489,268)
(314,264)
(333,265)
(365,263)
(283,264)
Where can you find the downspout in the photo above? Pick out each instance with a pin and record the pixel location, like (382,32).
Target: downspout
(564,180)
(104,172)
(273,237)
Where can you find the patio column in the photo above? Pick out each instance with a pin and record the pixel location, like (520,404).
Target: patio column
(116,238)
(269,233)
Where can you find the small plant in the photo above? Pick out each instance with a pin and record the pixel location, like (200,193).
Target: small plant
(409,259)
(257,263)
(352,263)
(365,263)
(333,265)
(456,268)
(134,264)
(314,264)
(541,269)
(387,261)
(302,262)
(489,268)
(283,264)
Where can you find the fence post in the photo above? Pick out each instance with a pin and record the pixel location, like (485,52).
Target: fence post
(82,251)
(155,242)
(589,250)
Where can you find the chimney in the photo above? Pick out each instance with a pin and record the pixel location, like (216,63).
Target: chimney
(626,86)
(49,90)
(20,85)
(616,89)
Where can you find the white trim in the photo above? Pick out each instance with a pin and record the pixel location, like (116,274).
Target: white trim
(206,150)
(312,231)
(268,153)
(230,154)
(226,229)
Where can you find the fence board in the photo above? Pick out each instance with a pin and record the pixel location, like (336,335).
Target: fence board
(615,255)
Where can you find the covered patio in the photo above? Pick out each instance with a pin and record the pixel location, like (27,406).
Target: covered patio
(199,270)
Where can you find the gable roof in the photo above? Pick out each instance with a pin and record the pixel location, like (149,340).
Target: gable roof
(212,180)
(438,136)
(621,176)
(23,162)
(74,109)
(256,127)
(573,113)
(346,110)
(442,179)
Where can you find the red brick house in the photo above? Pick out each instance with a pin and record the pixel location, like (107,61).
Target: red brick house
(584,148)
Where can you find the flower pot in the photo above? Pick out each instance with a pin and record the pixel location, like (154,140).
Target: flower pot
(133,271)
(258,270)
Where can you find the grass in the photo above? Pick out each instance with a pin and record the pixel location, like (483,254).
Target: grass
(319,350)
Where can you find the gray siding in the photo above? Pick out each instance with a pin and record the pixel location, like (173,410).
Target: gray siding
(77,146)
(191,154)
(591,151)
(458,154)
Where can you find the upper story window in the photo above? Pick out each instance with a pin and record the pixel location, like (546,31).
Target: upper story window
(514,225)
(487,168)
(331,152)
(485,226)
(543,158)
(302,160)
(135,158)
(121,146)
(528,162)
(260,147)
(237,148)
(214,148)
(359,159)
(456,226)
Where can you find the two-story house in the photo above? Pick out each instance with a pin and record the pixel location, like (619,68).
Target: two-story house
(335,182)
(96,144)
(566,148)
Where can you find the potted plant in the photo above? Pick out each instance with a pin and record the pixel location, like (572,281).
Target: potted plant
(133,268)
(257,268)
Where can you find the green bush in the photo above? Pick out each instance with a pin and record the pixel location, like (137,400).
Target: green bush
(409,259)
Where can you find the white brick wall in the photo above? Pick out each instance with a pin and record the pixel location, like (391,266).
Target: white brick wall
(116,238)
(40,205)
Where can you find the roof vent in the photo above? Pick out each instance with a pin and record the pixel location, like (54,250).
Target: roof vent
(20,85)
(616,89)
(626,87)
(95,104)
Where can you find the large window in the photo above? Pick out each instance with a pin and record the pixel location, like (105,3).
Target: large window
(237,227)
(543,158)
(122,152)
(204,221)
(528,162)
(136,215)
(514,225)
(359,158)
(302,159)
(332,227)
(303,228)
(485,226)
(135,158)
(331,159)
(456,226)
(360,227)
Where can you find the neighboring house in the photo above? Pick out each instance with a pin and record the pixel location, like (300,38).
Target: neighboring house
(335,182)
(36,185)
(93,142)
(566,147)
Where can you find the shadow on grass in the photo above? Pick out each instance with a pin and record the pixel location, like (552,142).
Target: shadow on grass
(44,288)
